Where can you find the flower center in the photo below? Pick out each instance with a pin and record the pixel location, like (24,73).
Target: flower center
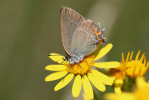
(118,72)
(134,68)
(82,67)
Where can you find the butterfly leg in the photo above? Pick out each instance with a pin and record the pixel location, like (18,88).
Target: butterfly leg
(86,62)
(71,66)
(79,65)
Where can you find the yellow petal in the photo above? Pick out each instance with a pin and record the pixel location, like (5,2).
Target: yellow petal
(77,85)
(87,87)
(55,67)
(57,58)
(144,61)
(117,90)
(137,69)
(64,82)
(56,75)
(100,86)
(137,56)
(131,55)
(117,86)
(119,81)
(104,51)
(127,57)
(111,64)
(141,83)
(142,57)
(123,59)
(85,96)
(102,77)
(123,96)
(144,69)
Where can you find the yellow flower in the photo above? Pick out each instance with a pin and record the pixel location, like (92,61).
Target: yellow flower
(137,67)
(119,75)
(123,96)
(83,75)
(131,68)
(140,93)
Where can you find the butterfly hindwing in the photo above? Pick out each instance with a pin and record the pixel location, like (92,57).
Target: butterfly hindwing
(84,39)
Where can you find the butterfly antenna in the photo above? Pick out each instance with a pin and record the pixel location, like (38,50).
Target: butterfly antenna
(51,55)
(56,62)
(47,55)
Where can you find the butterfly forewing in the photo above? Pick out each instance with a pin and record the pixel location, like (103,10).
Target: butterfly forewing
(70,20)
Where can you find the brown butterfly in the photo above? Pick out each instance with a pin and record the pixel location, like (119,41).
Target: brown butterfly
(80,36)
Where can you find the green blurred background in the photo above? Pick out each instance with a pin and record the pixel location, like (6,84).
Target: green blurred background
(29,29)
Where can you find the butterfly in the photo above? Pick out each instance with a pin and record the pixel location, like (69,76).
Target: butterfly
(80,36)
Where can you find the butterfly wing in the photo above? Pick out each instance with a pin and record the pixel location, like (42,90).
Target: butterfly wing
(70,20)
(84,39)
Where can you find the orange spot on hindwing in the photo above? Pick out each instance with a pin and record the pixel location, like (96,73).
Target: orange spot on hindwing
(97,33)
